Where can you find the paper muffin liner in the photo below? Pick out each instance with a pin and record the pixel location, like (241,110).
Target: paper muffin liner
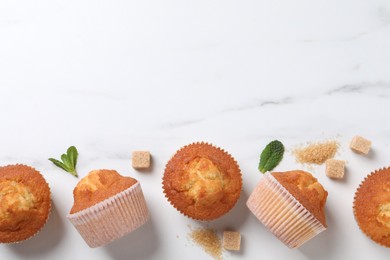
(282,214)
(354,204)
(112,218)
(178,208)
(48,214)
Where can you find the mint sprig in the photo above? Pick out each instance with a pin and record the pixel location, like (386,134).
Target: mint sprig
(69,161)
(271,156)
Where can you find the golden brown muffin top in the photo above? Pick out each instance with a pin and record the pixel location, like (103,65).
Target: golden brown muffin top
(306,189)
(24,202)
(372,206)
(97,186)
(202,181)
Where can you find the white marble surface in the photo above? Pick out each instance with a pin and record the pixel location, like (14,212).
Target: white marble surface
(111,77)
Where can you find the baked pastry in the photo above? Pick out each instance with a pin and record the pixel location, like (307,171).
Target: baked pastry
(107,206)
(291,205)
(371,206)
(202,181)
(24,203)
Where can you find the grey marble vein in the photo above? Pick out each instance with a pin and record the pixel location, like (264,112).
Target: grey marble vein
(7,23)
(383,15)
(382,89)
(250,106)
(180,123)
(260,103)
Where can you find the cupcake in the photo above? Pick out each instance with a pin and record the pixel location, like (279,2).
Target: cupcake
(291,205)
(202,181)
(24,203)
(107,206)
(371,206)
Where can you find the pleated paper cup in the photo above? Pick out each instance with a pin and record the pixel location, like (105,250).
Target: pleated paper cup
(112,218)
(282,214)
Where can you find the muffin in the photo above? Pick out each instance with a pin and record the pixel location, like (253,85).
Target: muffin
(107,206)
(202,181)
(24,203)
(371,206)
(291,205)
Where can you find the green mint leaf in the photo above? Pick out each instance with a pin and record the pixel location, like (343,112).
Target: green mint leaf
(72,155)
(69,161)
(58,163)
(271,156)
(65,160)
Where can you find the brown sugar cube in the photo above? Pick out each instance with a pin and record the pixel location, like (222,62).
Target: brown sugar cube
(360,145)
(335,168)
(140,159)
(231,240)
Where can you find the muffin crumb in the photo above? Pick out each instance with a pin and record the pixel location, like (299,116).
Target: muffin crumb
(360,145)
(140,159)
(208,240)
(316,153)
(335,168)
(231,240)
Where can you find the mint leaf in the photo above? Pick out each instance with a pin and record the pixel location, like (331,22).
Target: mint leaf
(69,161)
(271,156)
(72,155)
(58,163)
(65,160)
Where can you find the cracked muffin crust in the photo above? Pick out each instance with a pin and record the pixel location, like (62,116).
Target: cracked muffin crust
(372,206)
(202,181)
(24,202)
(306,189)
(97,186)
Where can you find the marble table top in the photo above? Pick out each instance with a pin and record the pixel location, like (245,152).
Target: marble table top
(111,77)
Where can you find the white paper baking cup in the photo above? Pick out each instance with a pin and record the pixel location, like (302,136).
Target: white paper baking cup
(282,214)
(112,218)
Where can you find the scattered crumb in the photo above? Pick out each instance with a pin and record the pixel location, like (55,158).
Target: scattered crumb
(140,159)
(316,153)
(208,240)
(360,145)
(335,168)
(231,240)
(310,168)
